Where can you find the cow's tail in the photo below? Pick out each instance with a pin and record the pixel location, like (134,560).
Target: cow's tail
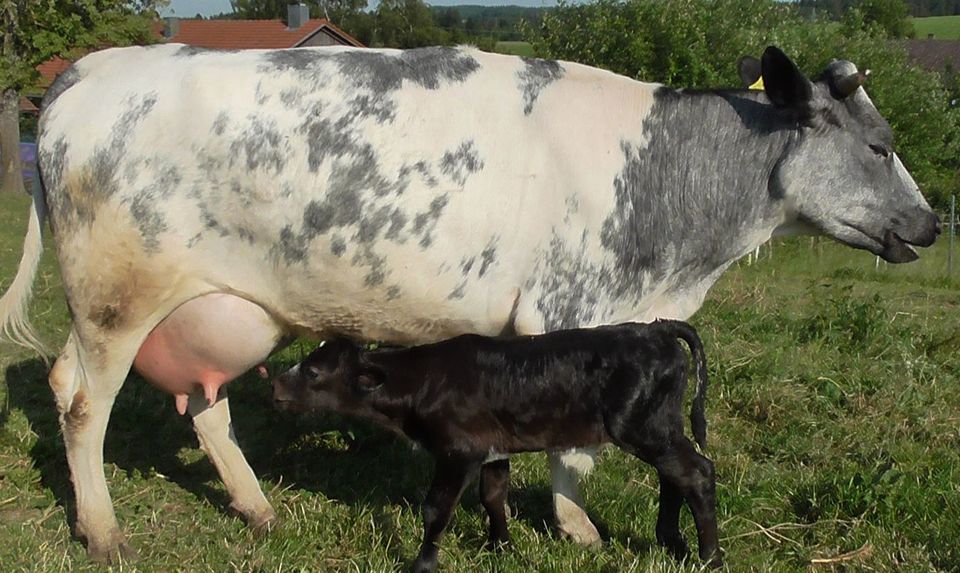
(698,419)
(14,323)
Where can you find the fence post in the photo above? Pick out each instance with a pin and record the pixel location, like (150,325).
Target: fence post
(953,206)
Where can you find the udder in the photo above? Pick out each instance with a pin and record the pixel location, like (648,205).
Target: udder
(206,342)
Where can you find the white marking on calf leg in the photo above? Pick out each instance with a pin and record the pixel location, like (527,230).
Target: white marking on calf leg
(85,387)
(572,520)
(215,432)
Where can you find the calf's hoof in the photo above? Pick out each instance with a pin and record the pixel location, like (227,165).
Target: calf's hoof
(497,544)
(713,559)
(676,545)
(424,565)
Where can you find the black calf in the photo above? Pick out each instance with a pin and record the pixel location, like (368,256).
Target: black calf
(470,398)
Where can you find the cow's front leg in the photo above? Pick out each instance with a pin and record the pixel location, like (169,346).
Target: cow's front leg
(565,470)
(215,432)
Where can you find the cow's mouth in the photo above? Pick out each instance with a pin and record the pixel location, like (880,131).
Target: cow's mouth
(891,248)
(896,250)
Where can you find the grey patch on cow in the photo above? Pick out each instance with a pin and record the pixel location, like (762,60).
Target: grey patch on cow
(245,234)
(194,240)
(260,95)
(669,220)
(338,246)
(148,220)
(381,108)
(393,292)
(291,246)
(466,265)
(369,226)
(488,256)
(397,222)
(164,179)
(428,68)
(293,59)
(571,286)
(460,164)
(262,144)
(67,79)
(220,123)
(291,97)
(573,207)
(424,223)
(191,51)
(93,183)
(457,293)
(376,263)
(533,77)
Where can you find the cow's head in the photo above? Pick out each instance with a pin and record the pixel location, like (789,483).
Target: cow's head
(333,377)
(842,174)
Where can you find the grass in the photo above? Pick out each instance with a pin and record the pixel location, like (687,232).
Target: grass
(942,27)
(515,48)
(834,416)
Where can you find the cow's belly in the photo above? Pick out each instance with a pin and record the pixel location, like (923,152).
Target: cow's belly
(207,341)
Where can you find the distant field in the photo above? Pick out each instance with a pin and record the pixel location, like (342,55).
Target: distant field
(942,27)
(515,48)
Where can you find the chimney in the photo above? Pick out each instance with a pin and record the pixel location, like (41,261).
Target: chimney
(297,15)
(171,27)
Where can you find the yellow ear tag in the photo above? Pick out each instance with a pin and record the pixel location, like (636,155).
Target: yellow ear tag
(757,85)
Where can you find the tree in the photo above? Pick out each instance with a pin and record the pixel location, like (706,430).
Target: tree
(33,31)
(407,24)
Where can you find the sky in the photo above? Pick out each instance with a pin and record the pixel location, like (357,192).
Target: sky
(190,8)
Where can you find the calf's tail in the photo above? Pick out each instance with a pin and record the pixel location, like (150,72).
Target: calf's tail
(14,323)
(698,420)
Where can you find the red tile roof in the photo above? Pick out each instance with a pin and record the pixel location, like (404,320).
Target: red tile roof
(243,34)
(50,69)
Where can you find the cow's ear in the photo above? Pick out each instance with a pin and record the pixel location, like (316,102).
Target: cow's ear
(782,81)
(749,69)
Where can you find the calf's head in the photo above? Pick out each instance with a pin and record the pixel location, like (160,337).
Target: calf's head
(841,173)
(333,377)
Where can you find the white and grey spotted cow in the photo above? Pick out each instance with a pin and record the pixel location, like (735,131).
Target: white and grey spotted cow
(207,204)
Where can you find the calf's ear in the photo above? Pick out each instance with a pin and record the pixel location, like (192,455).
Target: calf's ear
(782,81)
(370,377)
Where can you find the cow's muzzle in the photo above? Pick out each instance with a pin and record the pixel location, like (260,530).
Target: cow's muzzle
(922,233)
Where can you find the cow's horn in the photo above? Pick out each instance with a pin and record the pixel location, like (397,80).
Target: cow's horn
(849,84)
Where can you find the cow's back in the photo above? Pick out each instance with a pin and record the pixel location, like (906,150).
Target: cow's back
(375,192)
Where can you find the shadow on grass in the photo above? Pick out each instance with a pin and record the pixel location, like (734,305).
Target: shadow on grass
(345,460)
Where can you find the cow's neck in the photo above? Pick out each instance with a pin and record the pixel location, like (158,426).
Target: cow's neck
(695,193)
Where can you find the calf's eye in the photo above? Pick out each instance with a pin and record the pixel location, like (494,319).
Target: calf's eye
(312,372)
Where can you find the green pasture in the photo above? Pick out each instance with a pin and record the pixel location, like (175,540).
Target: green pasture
(834,412)
(514,48)
(942,27)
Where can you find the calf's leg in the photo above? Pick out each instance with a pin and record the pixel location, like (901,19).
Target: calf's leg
(668,520)
(494,483)
(449,480)
(693,476)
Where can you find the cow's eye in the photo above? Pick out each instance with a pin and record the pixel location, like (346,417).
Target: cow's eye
(879,150)
(312,372)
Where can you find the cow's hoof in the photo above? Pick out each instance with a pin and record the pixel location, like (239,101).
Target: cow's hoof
(581,532)
(676,545)
(262,523)
(113,553)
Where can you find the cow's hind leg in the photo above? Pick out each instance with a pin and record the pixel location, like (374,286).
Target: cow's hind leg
(494,483)
(572,520)
(85,383)
(215,432)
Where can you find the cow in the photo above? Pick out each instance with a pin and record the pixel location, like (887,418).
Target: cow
(207,205)
(472,399)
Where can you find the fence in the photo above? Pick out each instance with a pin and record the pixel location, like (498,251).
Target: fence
(951,225)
